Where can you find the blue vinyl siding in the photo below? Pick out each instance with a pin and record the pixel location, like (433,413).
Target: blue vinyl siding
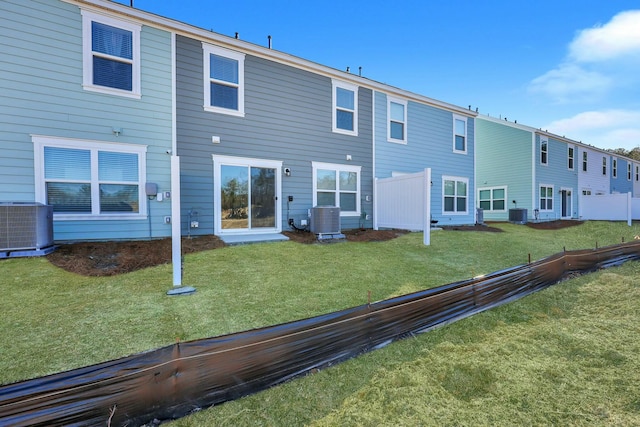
(621,184)
(429,145)
(288,118)
(556,173)
(42,94)
(504,160)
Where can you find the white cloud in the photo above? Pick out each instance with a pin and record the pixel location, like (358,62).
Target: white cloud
(570,82)
(599,59)
(603,129)
(618,38)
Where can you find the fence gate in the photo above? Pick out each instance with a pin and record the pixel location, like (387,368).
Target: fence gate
(404,202)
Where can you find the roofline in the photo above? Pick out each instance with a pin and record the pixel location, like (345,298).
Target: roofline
(201,34)
(548,134)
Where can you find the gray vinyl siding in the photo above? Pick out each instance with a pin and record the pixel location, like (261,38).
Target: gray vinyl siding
(42,94)
(503,159)
(429,145)
(288,118)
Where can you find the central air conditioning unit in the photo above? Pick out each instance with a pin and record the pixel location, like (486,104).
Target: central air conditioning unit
(518,216)
(325,220)
(25,226)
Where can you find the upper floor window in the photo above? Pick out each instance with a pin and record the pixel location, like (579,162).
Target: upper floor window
(584,161)
(454,195)
(223,80)
(628,171)
(337,185)
(604,165)
(637,173)
(459,134)
(546,198)
(544,151)
(397,124)
(614,168)
(570,156)
(345,108)
(493,199)
(111,55)
(90,179)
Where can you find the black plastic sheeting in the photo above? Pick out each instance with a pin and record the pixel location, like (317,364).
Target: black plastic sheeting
(176,380)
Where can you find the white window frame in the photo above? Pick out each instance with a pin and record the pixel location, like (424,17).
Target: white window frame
(614,167)
(455,204)
(492,199)
(544,151)
(335,84)
(87,54)
(40,142)
(585,164)
(466,141)
(604,166)
(209,50)
(338,168)
(571,157)
(553,203)
(637,173)
(629,171)
(405,127)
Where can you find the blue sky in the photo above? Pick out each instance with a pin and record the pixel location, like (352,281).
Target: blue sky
(571,67)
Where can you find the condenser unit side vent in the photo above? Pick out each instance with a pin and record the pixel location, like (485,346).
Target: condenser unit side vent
(25,226)
(325,220)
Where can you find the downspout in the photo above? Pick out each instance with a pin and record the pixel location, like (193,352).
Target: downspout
(373,160)
(533,171)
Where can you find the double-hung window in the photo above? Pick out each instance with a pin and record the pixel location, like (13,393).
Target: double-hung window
(111,55)
(223,80)
(614,168)
(459,134)
(637,173)
(337,185)
(493,199)
(83,179)
(546,198)
(397,123)
(544,151)
(455,195)
(584,161)
(345,108)
(628,171)
(604,165)
(570,157)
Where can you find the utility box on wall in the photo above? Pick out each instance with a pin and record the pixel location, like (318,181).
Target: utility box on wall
(25,226)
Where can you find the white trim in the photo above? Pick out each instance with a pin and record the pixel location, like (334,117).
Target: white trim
(629,171)
(87,54)
(338,168)
(219,161)
(497,187)
(402,102)
(39,142)
(553,203)
(209,50)
(614,167)
(544,142)
(573,158)
(335,84)
(466,140)
(467,196)
(570,191)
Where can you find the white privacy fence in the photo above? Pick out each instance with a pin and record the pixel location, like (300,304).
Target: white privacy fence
(404,202)
(610,207)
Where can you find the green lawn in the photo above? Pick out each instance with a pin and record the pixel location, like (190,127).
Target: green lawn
(566,356)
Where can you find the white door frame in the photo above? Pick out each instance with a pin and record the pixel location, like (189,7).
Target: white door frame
(218,162)
(569,199)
